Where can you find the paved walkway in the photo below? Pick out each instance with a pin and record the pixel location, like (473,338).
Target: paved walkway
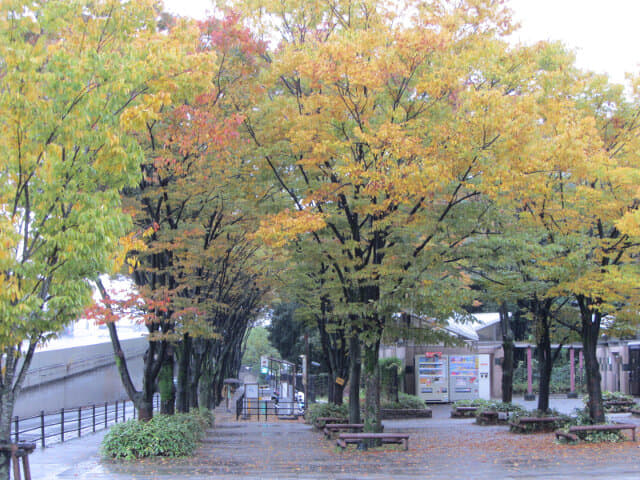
(439,448)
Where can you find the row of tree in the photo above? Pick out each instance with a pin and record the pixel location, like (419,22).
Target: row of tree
(424,163)
(398,160)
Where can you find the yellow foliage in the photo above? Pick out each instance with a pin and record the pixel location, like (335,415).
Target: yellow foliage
(286,226)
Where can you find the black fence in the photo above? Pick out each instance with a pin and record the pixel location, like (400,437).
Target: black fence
(53,427)
(263,409)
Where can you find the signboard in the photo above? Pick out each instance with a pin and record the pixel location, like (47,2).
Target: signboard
(340,381)
(484,373)
(264,364)
(251,390)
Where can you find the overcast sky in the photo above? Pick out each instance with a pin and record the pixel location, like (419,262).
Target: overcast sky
(604,33)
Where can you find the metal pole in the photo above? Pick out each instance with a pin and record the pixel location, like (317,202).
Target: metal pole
(93,417)
(306,370)
(42,426)
(79,421)
(105,414)
(17,428)
(529,372)
(124,409)
(116,416)
(62,424)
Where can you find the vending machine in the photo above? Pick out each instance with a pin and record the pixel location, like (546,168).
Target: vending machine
(463,377)
(432,380)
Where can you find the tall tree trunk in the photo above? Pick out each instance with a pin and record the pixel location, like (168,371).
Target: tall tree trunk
(153,358)
(590,331)
(544,372)
(194,380)
(184,360)
(508,348)
(334,348)
(336,391)
(166,387)
(372,412)
(11,378)
(354,378)
(6,412)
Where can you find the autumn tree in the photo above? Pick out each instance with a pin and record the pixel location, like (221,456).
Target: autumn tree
(386,126)
(200,274)
(72,77)
(578,191)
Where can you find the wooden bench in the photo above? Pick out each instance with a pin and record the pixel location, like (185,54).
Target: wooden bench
(17,451)
(320,422)
(332,428)
(459,412)
(360,438)
(490,417)
(524,421)
(611,427)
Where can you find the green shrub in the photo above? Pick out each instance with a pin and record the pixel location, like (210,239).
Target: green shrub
(390,378)
(164,435)
(582,417)
(476,402)
(614,397)
(316,410)
(406,402)
(512,408)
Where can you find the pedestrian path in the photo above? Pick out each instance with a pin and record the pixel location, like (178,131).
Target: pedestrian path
(440,447)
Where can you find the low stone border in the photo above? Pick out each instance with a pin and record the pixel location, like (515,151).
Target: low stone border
(390,413)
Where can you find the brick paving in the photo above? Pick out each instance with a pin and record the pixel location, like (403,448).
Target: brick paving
(440,448)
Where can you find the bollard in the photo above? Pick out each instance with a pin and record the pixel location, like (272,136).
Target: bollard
(42,426)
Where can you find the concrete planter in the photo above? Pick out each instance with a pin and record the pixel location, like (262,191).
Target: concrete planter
(389,413)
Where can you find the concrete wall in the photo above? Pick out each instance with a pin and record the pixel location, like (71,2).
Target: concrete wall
(78,376)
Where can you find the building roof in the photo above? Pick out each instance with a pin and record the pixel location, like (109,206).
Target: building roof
(467,326)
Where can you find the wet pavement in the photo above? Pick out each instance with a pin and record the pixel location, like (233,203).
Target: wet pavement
(439,448)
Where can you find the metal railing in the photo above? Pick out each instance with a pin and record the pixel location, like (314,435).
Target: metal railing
(250,408)
(53,427)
